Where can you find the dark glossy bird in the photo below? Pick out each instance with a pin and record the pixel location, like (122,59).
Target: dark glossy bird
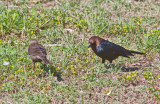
(37,53)
(108,50)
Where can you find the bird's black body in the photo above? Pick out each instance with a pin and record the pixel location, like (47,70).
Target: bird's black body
(108,50)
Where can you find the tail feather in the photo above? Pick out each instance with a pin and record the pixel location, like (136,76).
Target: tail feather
(46,61)
(136,52)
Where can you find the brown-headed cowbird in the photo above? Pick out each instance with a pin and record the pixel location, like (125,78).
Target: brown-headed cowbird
(37,53)
(108,50)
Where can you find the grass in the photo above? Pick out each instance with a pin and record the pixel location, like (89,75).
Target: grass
(77,74)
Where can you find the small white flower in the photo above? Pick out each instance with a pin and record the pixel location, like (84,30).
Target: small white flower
(6,63)
(109,92)
(69,30)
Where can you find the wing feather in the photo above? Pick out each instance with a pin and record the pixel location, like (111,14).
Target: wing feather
(107,48)
(37,49)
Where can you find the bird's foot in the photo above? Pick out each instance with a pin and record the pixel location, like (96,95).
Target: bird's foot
(109,66)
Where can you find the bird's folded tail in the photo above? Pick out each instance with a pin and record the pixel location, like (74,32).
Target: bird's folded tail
(136,52)
(46,61)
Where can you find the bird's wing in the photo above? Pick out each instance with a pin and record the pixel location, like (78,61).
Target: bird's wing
(107,47)
(43,50)
(37,49)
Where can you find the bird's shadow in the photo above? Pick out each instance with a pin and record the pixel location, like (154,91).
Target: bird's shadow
(129,69)
(123,68)
(49,69)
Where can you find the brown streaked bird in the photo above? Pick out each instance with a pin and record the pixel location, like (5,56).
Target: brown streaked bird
(108,50)
(37,53)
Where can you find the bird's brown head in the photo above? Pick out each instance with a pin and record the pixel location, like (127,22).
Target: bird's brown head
(33,41)
(94,42)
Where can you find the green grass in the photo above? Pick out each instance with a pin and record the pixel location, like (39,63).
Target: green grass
(77,74)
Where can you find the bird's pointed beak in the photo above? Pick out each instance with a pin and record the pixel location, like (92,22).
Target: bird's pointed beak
(89,45)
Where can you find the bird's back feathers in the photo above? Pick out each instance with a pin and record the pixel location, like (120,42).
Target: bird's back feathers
(37,49)
(109,49)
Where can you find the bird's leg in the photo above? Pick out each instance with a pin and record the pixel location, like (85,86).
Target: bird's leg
(110,64)
(33,63)
(45,71)
(44,67)
(103,60)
